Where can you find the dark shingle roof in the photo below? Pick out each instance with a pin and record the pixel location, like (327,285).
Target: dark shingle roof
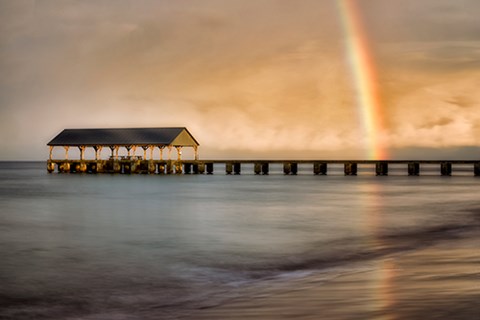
(126,136)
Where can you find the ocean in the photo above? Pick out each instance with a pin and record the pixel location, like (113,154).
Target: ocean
(86,246)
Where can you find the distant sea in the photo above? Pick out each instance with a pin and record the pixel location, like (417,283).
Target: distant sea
(85,246)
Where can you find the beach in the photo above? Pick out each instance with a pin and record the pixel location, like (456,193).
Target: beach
(441,281)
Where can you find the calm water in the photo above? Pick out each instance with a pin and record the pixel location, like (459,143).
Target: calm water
(161,247)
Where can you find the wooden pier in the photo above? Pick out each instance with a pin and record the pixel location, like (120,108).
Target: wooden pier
(161,139)
(260,167)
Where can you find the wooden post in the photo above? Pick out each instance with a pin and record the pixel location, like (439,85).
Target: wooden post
(66,152)
(209,168)
(195,148)
(169,152)
(128,150)
(201,168)
(294,168)
(178,167)
(169,167)
(350,168)
(112,148)
(287,167)
(97,149)
(381,168)
(237,167)
(257,168)
(116,152)
(320,168)
(151,152)
(179,152)
(413,168)
(161,168)
(476,169)
(82,152)
(446,168)
(51,153)
(265,168)
(144,152)
(50,166)
(161,151)
(228,168)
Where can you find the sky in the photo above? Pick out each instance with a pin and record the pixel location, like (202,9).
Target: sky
(248,78)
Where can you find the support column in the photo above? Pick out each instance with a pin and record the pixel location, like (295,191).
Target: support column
(287,167)
(128,150)
(209,168)
(169,167)
(179,152)
(161,151)
(161,168)
(257,168)
(112,148)
(178,167)
(144,152)
(195,149)
(294,168)
(228,168)
(446,168)
(82,152)
(320,168)
(66,152)
(265,167)
(116,152)
(413,169)
(97,149)
(350,169)
(381,168)
(237,168)
(151,152)
(476,169)
(51,153)
(169,152)
(134,149)
(201,168)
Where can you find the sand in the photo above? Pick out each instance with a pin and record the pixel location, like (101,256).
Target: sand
(441,281)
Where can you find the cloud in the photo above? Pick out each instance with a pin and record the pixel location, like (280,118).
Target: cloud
(258,76)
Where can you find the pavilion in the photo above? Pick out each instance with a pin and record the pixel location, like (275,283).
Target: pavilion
(128,138)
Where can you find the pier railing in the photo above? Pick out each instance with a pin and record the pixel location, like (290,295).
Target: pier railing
(260,167)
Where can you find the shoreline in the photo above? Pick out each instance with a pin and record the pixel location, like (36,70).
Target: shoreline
(434,282)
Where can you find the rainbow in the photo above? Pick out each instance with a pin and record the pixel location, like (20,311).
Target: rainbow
(364,74)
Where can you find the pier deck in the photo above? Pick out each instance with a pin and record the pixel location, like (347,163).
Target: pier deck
(290,167)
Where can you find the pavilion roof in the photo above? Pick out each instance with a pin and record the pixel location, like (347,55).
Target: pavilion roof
(178,136)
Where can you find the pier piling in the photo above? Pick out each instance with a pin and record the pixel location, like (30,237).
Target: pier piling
(350,168)
(257,168)
(237,167)
(265,168)
(413,168)
(381,169)
(209,168)
(294,168)
(228,168)
(287,167)
(446,169)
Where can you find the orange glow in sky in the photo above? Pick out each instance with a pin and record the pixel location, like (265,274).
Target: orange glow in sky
(266,78)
